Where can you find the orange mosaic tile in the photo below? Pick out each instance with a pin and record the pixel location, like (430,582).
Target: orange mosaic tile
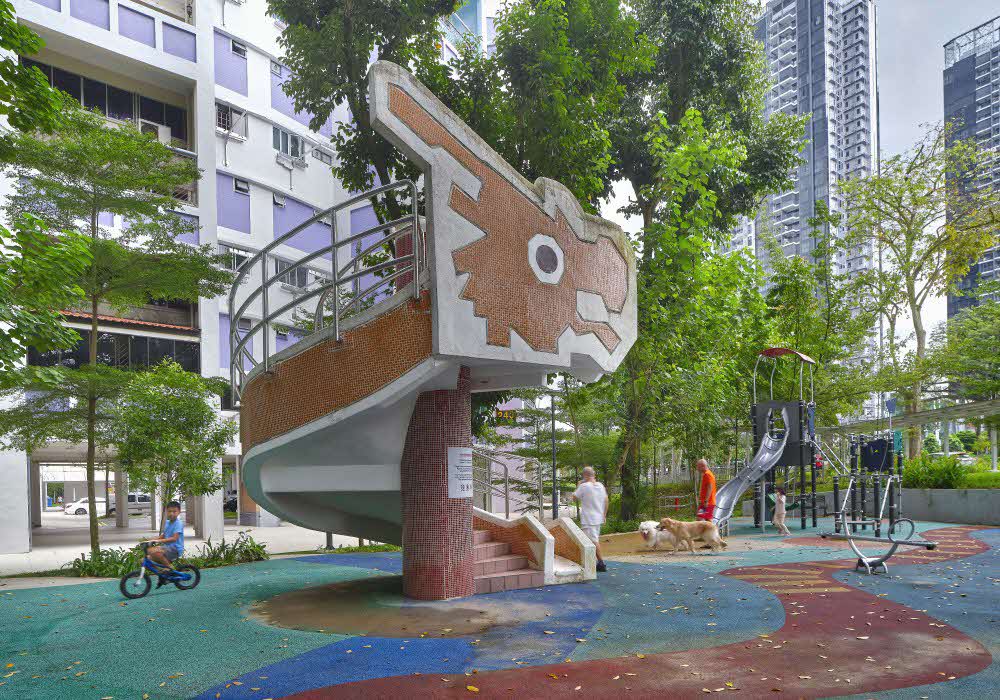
(502,285)
(332,375)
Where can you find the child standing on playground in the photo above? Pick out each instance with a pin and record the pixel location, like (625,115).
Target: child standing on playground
(779,512)
(706,491)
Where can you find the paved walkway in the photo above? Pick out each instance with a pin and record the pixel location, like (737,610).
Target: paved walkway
(787,618)
(63,538)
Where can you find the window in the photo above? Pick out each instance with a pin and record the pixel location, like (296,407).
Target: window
(231,119)
(276,68)
(279,199)
(322,156)
(151,110)
(70,83)
(121,104)
(239,49)
(241,186)
(235,257)
(299,277)
(286,143)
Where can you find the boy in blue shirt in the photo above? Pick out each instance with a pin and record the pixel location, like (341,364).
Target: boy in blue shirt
(173,538)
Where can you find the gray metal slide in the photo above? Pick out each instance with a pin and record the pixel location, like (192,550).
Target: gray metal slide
(768,454)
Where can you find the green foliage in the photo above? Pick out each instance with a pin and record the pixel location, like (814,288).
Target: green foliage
(926,472)
(25,96)
(706,58)
(932,444)
(167,432)
(365,548)
(38,277)
(981,480)
(115,562)
(965,353)
(966,438)
(955,443)
(242,550)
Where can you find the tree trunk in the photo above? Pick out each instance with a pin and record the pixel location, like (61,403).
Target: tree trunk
(916,401)
(95,542)
(630,496)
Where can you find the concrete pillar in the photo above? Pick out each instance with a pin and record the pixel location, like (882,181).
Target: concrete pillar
(438,559)
(36,494)
(210,522)
(993,448)
(250,512)
(121,499)
(15,507)
(946,438)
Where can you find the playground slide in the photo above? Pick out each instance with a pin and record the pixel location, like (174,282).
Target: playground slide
(346,425)
(766,457)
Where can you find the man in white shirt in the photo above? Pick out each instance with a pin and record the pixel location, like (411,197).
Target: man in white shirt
(593,500)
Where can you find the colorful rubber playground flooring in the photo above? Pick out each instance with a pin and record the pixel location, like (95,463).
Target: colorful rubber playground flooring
(789,620)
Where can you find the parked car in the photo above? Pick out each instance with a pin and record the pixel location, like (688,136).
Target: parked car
(138,504)
(82,506)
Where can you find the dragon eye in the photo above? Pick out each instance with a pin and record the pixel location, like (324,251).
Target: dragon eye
(546,258)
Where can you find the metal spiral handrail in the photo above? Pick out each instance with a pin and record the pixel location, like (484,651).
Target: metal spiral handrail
(340,274)
(493,489)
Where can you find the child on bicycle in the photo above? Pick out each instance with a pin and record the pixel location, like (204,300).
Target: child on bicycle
(173,538)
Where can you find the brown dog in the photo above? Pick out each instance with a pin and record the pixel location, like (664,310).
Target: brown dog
(687,532)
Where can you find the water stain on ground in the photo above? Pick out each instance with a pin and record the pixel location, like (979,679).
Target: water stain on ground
(375,607)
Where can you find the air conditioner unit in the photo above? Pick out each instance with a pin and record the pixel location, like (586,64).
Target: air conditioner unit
(161,132)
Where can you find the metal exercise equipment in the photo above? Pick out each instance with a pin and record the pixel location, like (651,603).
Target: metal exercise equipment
(872,458)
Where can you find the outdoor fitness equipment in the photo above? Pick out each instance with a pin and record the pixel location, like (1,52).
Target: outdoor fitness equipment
(136,584)
(871,458)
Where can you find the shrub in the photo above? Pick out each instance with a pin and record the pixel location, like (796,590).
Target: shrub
(926,472)
(981,480)
(118,561)
(345,549)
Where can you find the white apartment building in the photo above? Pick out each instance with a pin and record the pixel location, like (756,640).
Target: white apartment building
(204,76)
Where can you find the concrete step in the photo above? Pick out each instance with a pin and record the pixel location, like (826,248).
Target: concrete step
(490,550)
(509,581)
(481,536)
(501,564)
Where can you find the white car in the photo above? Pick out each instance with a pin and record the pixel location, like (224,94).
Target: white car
(81,507)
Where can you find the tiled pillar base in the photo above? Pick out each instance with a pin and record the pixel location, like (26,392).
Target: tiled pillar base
(438,556)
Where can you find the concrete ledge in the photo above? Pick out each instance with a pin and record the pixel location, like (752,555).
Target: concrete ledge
(573,545)
(966,506)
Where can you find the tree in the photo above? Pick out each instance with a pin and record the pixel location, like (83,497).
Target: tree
(965,353)
(38,273)
(932,444)
(25,96)
(929,223)
(327,46)
(167,432)
(542,101)
(707,58)
(69,179)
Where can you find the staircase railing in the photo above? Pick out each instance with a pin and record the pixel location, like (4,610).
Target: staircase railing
(498,484)
(328,300)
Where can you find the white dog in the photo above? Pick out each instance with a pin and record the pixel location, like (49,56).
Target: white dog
(654,537)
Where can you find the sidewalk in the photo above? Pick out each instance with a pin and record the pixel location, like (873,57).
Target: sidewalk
(53,547)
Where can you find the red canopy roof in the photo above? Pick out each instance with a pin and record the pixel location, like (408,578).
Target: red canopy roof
(780,352)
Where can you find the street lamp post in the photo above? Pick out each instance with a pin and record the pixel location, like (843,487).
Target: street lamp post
(555,473)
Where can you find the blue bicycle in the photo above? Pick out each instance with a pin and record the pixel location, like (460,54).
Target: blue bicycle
(136,584)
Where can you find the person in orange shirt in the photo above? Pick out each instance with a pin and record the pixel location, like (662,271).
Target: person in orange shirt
(706,494)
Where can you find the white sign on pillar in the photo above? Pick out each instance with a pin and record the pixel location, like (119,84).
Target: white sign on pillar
(459,472)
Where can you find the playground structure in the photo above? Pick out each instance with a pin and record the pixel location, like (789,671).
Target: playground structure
(872,458)
(792,446)
(360,424)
